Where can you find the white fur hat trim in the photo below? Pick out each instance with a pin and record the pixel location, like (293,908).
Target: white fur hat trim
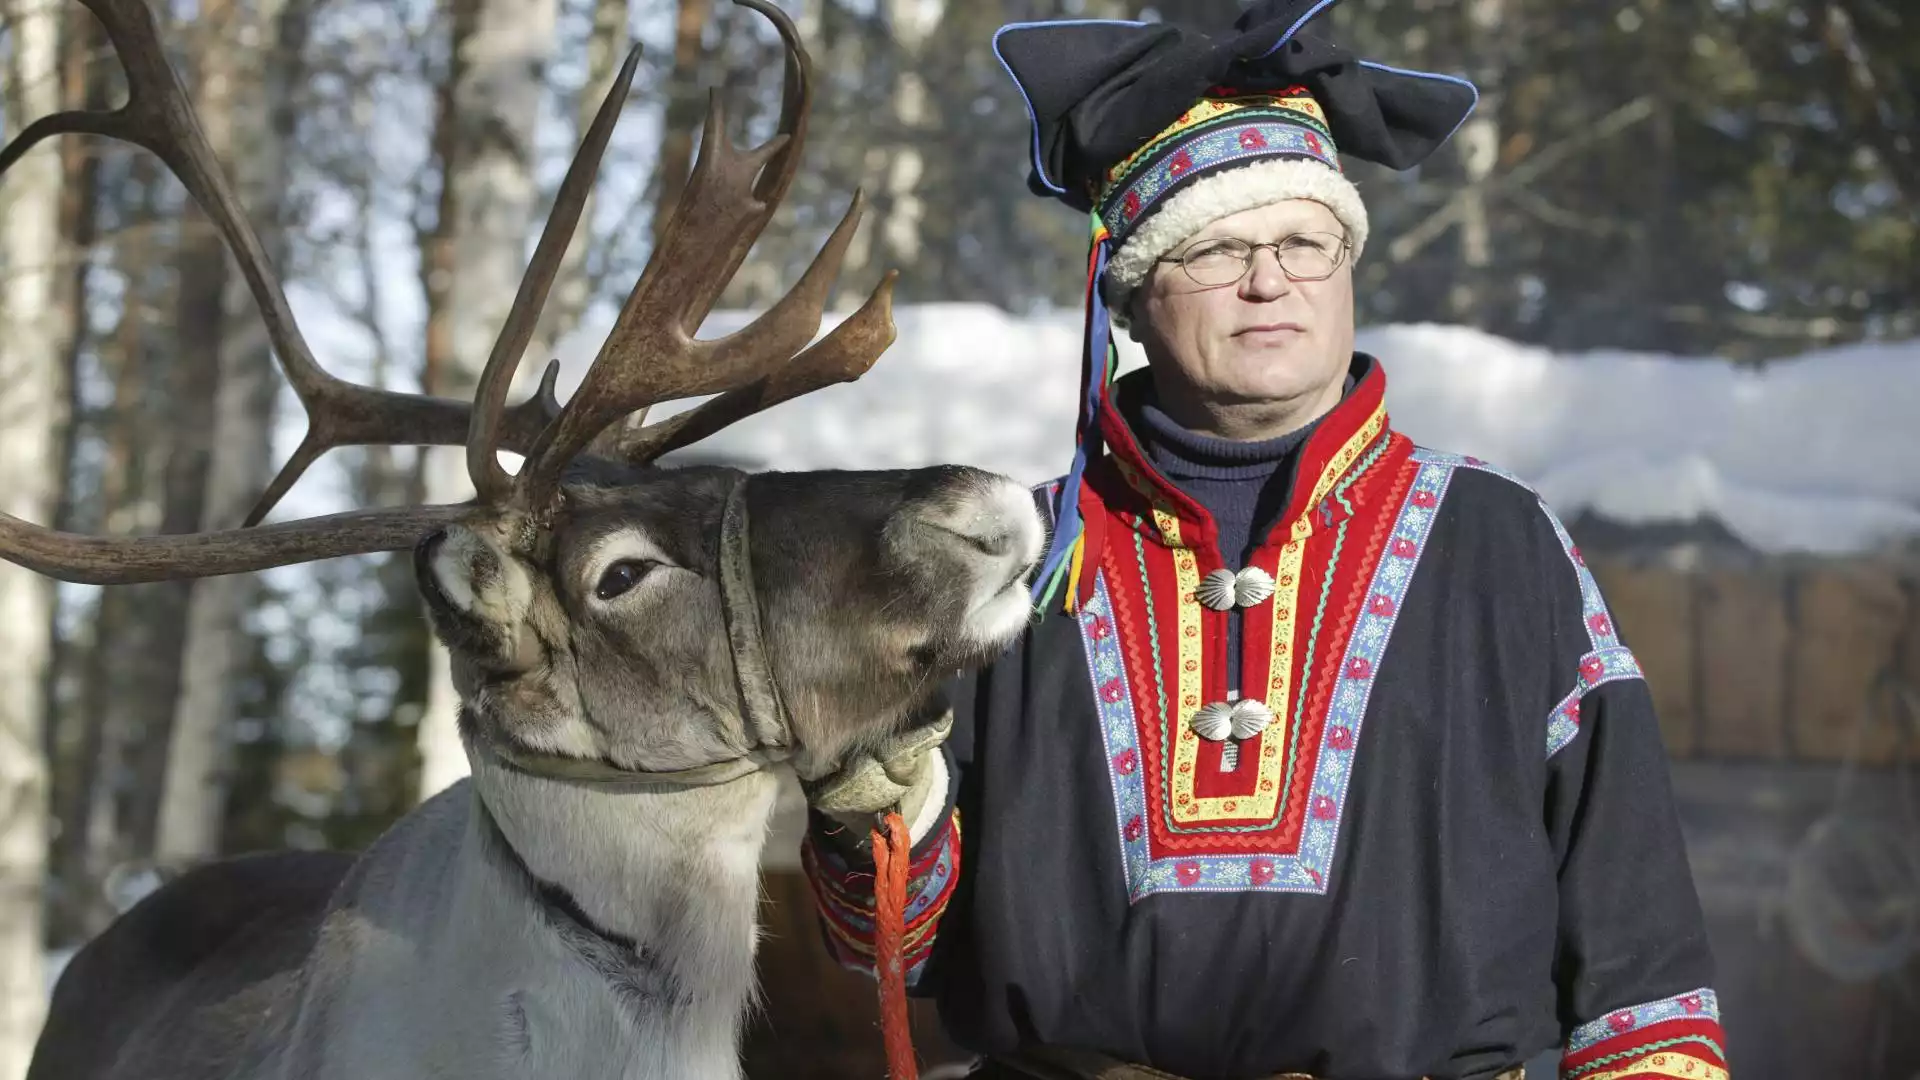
(1222,194)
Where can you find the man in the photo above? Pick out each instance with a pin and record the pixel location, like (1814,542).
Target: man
(1323,756)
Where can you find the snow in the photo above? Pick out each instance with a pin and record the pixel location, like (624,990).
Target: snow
(1813,454)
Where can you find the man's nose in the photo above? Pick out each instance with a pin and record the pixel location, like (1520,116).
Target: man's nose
(1265,279)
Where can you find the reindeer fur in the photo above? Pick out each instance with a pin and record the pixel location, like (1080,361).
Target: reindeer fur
(516,926)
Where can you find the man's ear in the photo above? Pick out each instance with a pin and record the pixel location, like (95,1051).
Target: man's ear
(1135,325)
(1130,311)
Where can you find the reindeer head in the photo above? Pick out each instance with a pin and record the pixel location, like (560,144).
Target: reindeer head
(599,609)
(610,642)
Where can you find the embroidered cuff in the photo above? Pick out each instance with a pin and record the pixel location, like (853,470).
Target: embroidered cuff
(843,893)
(1677,1037)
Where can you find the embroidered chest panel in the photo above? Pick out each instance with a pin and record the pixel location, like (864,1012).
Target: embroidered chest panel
(1260,812)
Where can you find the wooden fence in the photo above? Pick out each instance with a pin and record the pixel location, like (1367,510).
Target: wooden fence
(1772,660)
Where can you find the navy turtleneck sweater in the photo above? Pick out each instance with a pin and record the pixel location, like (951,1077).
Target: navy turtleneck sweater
(1244,486)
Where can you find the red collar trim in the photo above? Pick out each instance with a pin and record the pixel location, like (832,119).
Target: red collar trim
(1337,446)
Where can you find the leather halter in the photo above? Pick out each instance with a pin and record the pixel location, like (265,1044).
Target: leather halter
(764,713)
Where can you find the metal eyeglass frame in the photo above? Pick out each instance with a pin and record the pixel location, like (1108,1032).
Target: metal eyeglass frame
(1246,259)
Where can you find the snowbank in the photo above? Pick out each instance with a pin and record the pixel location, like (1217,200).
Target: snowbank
(1816,454)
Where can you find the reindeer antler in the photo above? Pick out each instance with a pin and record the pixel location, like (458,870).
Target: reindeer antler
(843,355)
(650,356)
(159,117)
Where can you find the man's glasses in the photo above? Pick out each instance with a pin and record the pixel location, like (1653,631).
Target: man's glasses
(1312,256)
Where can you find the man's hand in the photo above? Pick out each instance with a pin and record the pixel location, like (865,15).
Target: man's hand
(907,771)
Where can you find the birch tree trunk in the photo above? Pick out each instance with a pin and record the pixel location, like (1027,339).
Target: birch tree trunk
(70,730)
(1478,145)
(188,392)
(572,288)
(484,133)
(913,23)
(192,798)
(895,165)
(79,170)
(682,114)
(92,839)
(31,400)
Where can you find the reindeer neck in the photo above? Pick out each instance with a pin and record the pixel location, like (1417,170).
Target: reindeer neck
(663,880)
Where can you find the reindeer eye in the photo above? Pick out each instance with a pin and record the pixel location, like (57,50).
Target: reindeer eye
(621,576)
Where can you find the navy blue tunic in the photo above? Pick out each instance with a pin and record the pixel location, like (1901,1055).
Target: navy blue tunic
(1454,846)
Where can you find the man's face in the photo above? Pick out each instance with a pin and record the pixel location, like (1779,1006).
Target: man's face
(1265,338)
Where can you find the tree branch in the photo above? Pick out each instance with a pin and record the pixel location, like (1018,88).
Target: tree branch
(1415,240)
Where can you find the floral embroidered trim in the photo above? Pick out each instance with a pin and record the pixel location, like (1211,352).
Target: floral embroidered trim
(1276,750)
(1426,455)
(1599,621)
(1307,869)
(1208,110)
(1692,1005)
(1113,699)
(1613,659)
(1593,608)
(1603,666)
(1679,1037)
(1257,139)
(844,898)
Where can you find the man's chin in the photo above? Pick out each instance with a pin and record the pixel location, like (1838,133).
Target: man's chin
(1269,389)
(1280,372)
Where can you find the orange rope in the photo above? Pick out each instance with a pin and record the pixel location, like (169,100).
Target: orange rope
(890,856)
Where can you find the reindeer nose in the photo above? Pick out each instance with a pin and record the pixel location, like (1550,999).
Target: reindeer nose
(423,551)
(988,538)
(984,512)
(425,577)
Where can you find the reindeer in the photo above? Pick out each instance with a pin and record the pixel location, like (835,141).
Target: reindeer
(635,648)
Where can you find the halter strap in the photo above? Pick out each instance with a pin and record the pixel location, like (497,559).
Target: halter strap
(764,712)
